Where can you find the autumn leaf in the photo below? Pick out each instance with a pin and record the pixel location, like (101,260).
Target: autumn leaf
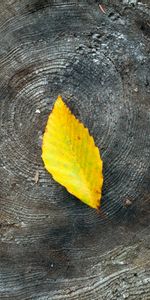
(70,155)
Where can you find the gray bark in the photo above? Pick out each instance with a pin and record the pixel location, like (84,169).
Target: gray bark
(52,245)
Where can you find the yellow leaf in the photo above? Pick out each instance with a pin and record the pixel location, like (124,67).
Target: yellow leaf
(70,155)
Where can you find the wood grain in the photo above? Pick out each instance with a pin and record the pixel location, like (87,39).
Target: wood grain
(53,246)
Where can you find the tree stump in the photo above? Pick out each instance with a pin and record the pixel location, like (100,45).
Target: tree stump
(52,245)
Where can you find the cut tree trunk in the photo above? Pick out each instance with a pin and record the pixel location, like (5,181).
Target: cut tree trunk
(52,245)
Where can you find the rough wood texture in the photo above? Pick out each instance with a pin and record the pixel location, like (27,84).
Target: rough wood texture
(53,246)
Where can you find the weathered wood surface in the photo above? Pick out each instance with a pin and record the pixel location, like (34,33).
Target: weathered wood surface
(52,245)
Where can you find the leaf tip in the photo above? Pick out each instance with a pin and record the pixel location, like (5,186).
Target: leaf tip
(59,101)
